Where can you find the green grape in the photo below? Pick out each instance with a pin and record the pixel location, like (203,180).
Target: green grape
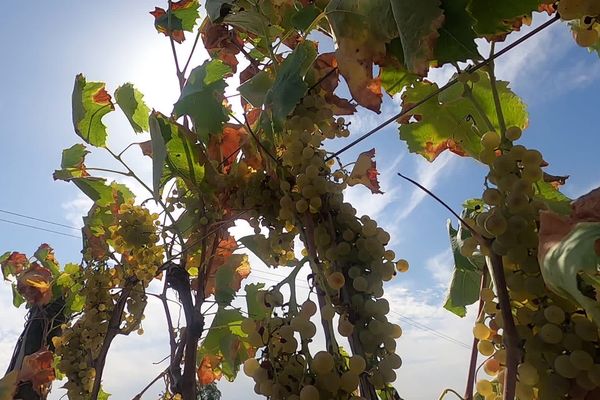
(308,308)
(496,224)
(251,365)
(493,197)
(581,360)
(322,363)
(564,367)
(528,374)
(584,328)
(345,328)
(349,381)
(586,37)
(360,284)
(524,392)
(554,314)
(490,140)
(357,364)
(513,133)
(301,206)
(551,334)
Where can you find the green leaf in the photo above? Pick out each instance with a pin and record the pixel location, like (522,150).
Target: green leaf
(102,395)
(103,194)
(72,163)
(456,123)
(457,37)
(8,385)
(418,23)
(217,9)
(174,153)
(90,102)
(395,79)
(45,255)
(566,259)
(305,16)
(226,339)
(132,103)
(255,89)
(465,283)
(289,86)
(497,17)
(181,16)
(17,298)
(202,98)
(255,23)
(554,199)
(224,293)
(256,310)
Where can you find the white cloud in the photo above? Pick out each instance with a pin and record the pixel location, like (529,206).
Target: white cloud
(427,174)
(77,208)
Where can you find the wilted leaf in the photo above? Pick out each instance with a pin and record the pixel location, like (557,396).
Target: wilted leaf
(90,102)
(202,98)
(222,43)
(454,123)
(34,284)
(208,371)
(227,145)
(228,278)
(45,255)
(13,263)
(146,148)
(131,101)
(182,17)
(365,172)
(37,368)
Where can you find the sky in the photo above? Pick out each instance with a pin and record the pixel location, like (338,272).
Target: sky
(44,45)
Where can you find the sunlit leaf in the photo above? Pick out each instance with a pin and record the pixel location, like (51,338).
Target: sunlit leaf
(554,199)
(45,255)
(37,368)
(34,284)
(13,264)
(222,43)
(228,278)
(8,385)
(456,124)
(131,101)
(72,163)
(202,98)
(90,102)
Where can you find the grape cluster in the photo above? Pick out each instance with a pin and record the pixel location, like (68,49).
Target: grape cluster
(560,358)
(135,237)
(584,14)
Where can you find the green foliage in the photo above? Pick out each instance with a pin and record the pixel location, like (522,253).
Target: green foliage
(132,103)
(90,102)
(202,98)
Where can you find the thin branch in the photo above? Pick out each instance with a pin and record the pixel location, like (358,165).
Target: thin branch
(446,391)
(496,96)
(152,382)
(474,352)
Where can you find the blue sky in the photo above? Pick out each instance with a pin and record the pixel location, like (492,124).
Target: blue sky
(45,45)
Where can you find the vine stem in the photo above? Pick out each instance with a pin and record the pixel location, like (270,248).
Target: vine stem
(496,96)
(446,391)
(474,352)
(152,382)
(114,327)
(511,336)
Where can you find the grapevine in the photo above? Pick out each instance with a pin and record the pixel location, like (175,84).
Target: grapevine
(270,165)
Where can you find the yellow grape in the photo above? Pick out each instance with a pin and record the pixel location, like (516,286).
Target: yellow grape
(586,37)
(513,133)
(490,140)
(251,365)
(481,331)
(528,374)
(309,392)
(484,387)
(402,265)
(357,364)
(336,280)
(486,348)
(322,363)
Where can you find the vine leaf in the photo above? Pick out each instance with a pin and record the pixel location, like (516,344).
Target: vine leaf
(8,385)
(45,255)
(418,23)
(13,264)
(569,251)
(453,122)
(554,199)
(225,347)
(202,98)
(326,73)
(217,9)
(226,145)
(365,172)
(37,368)
(222,43)
(183,16)
(494,18)
(457,37)
(34,284)
(72,163)
(289,86)
(227,280)
(102,194)
(131,101)
(90,102)
(256,308)
(255,89)
(174,153)
(465,283)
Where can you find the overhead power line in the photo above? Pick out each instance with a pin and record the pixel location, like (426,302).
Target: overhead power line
(434,332)
(39,228)
(38,219)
